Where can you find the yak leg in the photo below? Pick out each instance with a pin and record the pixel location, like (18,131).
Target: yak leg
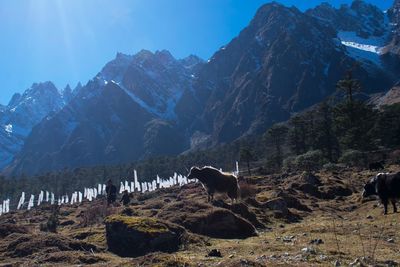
(394,205)
(230,195)
(385,203)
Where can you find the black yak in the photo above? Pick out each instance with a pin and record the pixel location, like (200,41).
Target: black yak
(376,166)
(386,186)
(214,180)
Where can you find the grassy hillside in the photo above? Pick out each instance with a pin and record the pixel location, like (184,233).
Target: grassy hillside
(301,220)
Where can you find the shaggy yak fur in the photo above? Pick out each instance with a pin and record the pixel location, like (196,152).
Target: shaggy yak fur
(214,180)
(386,186)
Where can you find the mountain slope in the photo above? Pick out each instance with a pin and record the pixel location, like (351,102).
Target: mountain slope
(124,113)
(153,104)
(283,62)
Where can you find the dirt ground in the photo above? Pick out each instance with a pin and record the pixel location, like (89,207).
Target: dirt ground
(301,221)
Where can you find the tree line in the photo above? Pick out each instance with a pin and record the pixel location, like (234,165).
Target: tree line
(338,130)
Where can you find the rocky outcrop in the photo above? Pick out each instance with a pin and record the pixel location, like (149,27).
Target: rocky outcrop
(23,245)
(137,236)
(207,220)
(220,223)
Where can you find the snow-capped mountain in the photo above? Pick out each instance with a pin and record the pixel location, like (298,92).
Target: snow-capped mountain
(155,81)
(153,104)
(126,112)
(23,112)
(371,36)
(363,28)
(283,62)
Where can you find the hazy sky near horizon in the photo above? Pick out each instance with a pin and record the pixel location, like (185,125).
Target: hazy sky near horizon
(66,41)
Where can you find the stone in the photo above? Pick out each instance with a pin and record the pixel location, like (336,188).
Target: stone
(209,221)
(316,241)
(214,253)
(308,250)
(137,236)
(392,263)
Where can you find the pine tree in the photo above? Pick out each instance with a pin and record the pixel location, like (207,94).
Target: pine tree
(326,140)
(298,135)
(277,134)
(353,123)
(349,85)
(246,155)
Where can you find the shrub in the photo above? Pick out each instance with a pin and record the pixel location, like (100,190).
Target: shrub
(289,163)
(96,214)
(52,222)
(310,161)
(353,158)
(332,167)
(247,190)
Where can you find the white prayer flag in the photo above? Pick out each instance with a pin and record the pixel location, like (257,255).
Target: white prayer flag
(132,187)
(31,200)
(7,205)
(127,187)
(21,201)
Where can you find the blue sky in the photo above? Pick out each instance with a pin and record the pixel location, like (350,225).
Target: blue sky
(67,41)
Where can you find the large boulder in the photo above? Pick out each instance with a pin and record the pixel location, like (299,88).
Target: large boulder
(242,210)
(220,223)
(137,236)
(204,219)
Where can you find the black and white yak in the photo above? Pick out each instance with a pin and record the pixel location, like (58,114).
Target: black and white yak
(386,186)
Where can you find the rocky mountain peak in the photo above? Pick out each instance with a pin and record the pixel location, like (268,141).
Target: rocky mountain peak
(362,18)
(14,99)
(274,12)
(41,89)
(164,56)
(394,17)
(143,55)
(363,8)
(23,112)
(67,93)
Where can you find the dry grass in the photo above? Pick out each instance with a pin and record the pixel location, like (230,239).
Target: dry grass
(348,228)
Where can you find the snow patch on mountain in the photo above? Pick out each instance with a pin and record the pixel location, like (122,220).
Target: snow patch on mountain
(363,49)
(169,112)
(8,128)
